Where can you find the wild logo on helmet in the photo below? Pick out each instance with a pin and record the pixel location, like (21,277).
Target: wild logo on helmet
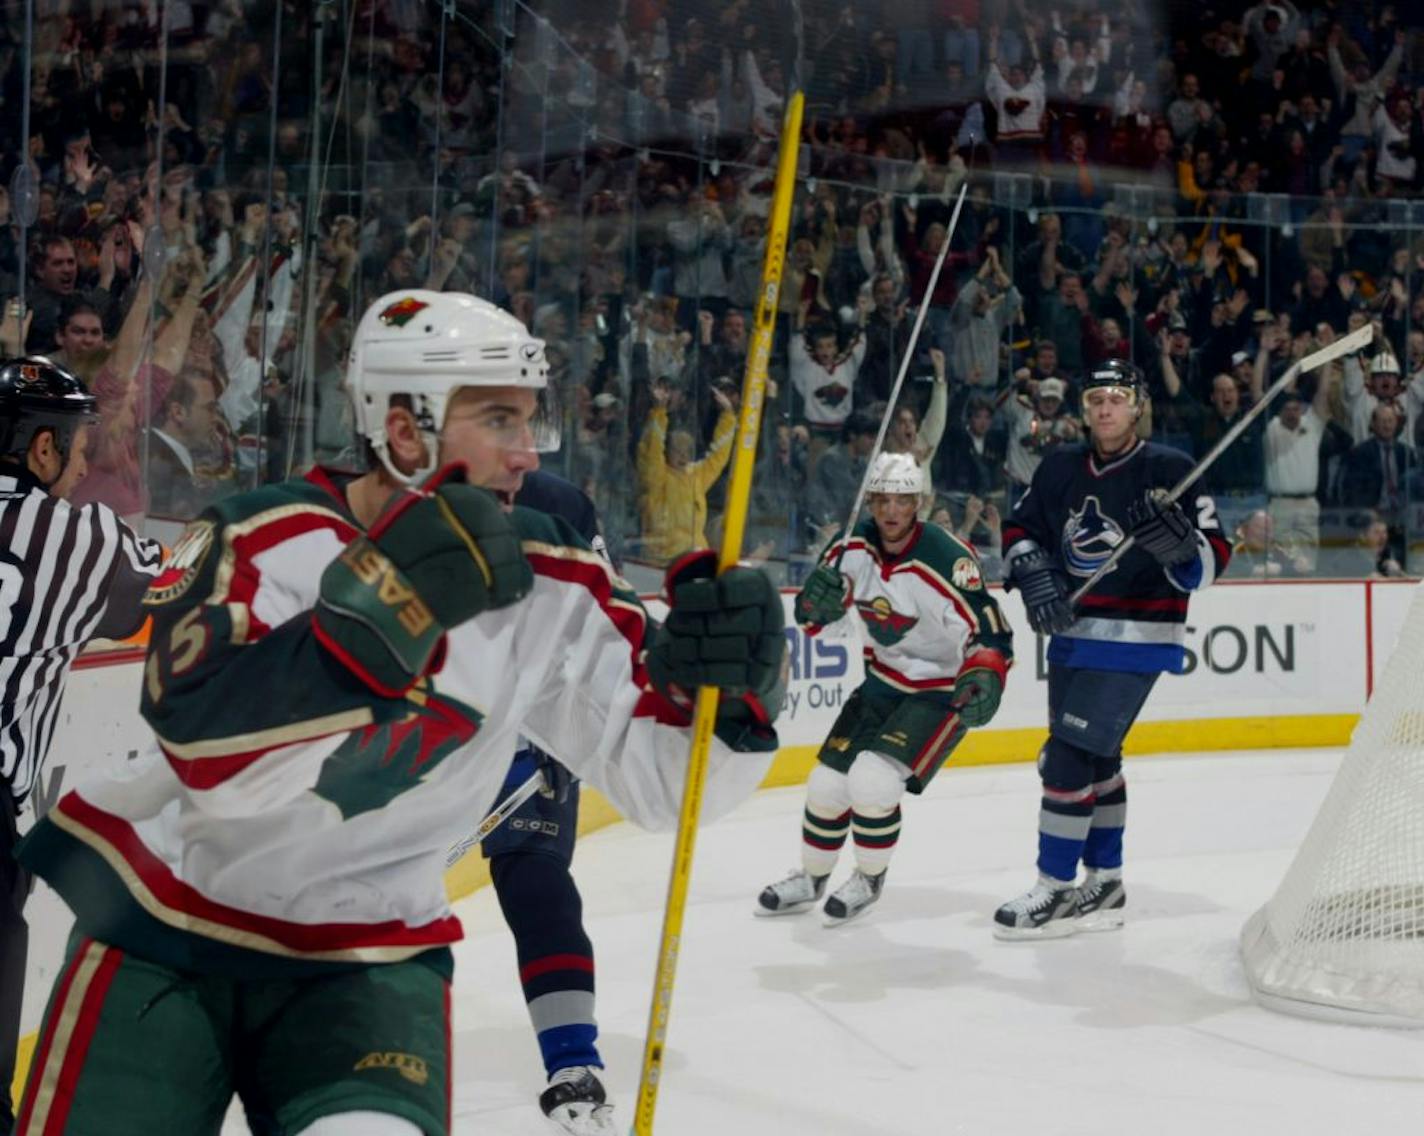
(1089,538)
(886,625)
(402,311)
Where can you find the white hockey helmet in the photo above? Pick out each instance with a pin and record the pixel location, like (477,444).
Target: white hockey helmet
(896,473)
(426,346)
(1385,363)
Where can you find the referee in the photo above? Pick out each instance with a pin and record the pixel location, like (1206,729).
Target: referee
(67,575)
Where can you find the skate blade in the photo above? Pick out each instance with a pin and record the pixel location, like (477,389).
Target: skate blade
(1101,921)
(584,1120)
(792,909)
(841,921)
(1057,929)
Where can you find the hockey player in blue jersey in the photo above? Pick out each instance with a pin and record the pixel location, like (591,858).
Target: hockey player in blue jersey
(1103,658)
(530,855)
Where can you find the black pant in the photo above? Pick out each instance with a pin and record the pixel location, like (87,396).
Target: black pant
(14,945)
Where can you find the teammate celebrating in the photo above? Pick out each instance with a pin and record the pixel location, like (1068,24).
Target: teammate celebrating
(70,574)
(340,668)
(938,655)
(1102,662)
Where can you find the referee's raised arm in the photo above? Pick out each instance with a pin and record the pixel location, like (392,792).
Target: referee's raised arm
(67,575)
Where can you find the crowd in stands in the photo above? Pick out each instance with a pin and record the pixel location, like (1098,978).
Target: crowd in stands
(1212,190)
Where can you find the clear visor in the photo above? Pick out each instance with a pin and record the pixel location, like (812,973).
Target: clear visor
(507,428)
(547,425)
(1114,394)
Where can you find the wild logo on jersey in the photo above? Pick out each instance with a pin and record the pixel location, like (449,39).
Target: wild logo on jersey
(377,764)
(886,625)
(1089,538)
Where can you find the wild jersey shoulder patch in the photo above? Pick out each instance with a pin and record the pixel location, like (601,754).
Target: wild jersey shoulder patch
(183,566)
(966,575)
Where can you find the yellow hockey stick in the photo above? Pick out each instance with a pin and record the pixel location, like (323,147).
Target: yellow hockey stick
(734,524)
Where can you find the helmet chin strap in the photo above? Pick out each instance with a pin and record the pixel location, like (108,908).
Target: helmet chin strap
(432,450)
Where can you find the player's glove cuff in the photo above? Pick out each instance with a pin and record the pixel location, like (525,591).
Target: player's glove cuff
(979,686)
(1045,594)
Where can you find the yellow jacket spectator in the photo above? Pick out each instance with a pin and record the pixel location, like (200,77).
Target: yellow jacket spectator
(673,487)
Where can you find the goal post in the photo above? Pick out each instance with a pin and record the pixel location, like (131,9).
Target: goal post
(1343,936)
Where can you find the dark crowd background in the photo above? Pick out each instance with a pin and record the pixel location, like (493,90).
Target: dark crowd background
(202,198)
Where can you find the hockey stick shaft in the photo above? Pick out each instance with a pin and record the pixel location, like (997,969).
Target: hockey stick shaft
(498,815)
(1357,340)
(744,452)
(905,361)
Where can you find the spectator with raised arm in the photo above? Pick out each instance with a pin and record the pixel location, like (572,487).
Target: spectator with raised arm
(673,483)
(1018,99)
(986,307)
(1292,448)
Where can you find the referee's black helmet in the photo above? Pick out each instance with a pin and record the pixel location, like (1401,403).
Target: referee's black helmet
(35,394)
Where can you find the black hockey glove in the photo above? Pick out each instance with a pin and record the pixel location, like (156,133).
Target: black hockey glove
(1044,591)
(723,631)
(1162,528)
(437,556)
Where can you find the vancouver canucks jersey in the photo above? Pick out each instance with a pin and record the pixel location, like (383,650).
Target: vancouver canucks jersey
(923,609)
(1076,510)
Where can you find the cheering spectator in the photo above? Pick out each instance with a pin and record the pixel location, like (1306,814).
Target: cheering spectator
(1292,446)
(1037,420)
(987,305)
(1018,99)
(673,487)
(824,375)
(908,435)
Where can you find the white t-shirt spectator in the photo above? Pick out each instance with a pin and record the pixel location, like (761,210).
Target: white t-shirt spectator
(1293,456)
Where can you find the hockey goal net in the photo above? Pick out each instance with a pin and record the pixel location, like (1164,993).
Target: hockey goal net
(1343,937)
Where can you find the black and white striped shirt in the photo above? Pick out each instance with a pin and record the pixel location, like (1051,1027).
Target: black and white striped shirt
(67,575)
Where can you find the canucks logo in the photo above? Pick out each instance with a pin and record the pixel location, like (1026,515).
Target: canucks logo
(1089,538)
(885,625)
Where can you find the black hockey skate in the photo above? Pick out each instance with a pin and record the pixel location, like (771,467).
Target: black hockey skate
(1101,899)
(796,892)
(852,898)
(1048,910)
(576,1103)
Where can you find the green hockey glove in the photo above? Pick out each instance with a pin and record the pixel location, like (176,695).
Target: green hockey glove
(724,631)
(979,685)
(823,597)
(437,556)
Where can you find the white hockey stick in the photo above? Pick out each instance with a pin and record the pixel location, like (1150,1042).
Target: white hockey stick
(497,817)
(1357,340)
(906,358)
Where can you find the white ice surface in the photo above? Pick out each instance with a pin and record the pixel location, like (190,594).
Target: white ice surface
(913,1020)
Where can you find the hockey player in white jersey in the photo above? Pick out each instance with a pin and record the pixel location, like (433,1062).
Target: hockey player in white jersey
(339,670)
(937,655)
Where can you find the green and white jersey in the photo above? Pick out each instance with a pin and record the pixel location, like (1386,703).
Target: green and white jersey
(286,816)
(922,610)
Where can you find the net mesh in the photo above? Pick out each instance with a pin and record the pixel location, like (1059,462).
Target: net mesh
(1345,930)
